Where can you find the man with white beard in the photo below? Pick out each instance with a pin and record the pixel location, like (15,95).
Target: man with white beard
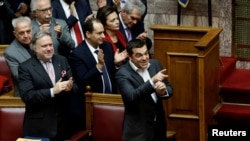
(43,20)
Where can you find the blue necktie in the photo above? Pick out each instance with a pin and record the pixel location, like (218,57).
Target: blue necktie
(106,80)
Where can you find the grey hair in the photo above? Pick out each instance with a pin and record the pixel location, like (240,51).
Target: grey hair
(33,5)
(39,34)
(134,4)
(15,21)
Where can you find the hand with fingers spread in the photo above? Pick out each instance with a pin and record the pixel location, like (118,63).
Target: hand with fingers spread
(160,76)
(120,56)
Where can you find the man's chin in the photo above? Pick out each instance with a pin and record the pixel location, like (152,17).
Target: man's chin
(144,66)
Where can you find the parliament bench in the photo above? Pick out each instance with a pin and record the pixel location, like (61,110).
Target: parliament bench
(12,111)
(104,118)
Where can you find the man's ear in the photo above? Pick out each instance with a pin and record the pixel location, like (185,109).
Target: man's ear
(14,33)
(88,34)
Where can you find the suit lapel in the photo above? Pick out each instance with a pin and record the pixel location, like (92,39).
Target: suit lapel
(22,54)
(152,71)
(122,30)
(57,68)
(135,75)
(88,55)
(38,67)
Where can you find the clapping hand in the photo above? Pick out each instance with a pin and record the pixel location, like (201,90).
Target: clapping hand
(160,88)
(63,85)
(120,56)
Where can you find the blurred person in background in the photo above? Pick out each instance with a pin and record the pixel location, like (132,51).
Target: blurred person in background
(7,14)
(75,13)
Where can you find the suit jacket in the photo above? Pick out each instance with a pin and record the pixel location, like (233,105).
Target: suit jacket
(44,116)
(83,9)
(140,109)
(62,44)
(84,69)
(14,55)
(7,14)
(136,30)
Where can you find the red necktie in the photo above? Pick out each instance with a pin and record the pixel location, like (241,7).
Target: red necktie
(78,33)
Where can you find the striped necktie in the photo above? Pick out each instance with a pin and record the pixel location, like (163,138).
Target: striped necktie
(50,72)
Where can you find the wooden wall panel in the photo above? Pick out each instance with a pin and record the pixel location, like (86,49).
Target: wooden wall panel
(191,55)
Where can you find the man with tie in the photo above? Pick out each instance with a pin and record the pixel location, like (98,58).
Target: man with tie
(143,85)
(131,23)
(93,63)
(93,59)
(119,4)
(45,84)
(75,13)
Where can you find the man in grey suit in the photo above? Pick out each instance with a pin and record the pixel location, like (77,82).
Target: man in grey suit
(143,85)
(62,40)
(19,50)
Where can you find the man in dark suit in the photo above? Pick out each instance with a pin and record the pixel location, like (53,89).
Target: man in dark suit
(45,84)
(131,24)
(88,65)
(7,14)
(19,50)
(143,85)
(43,20)
(120,4)
(73,12)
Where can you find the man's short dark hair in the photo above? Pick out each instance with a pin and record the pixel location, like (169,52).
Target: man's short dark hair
(88,25)
(135,43)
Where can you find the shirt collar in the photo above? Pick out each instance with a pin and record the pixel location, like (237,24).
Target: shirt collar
(91,48)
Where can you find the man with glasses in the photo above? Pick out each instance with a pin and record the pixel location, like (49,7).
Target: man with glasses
(75,13)
(43,20)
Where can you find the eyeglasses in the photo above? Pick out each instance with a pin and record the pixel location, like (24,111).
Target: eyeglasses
(45,10)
